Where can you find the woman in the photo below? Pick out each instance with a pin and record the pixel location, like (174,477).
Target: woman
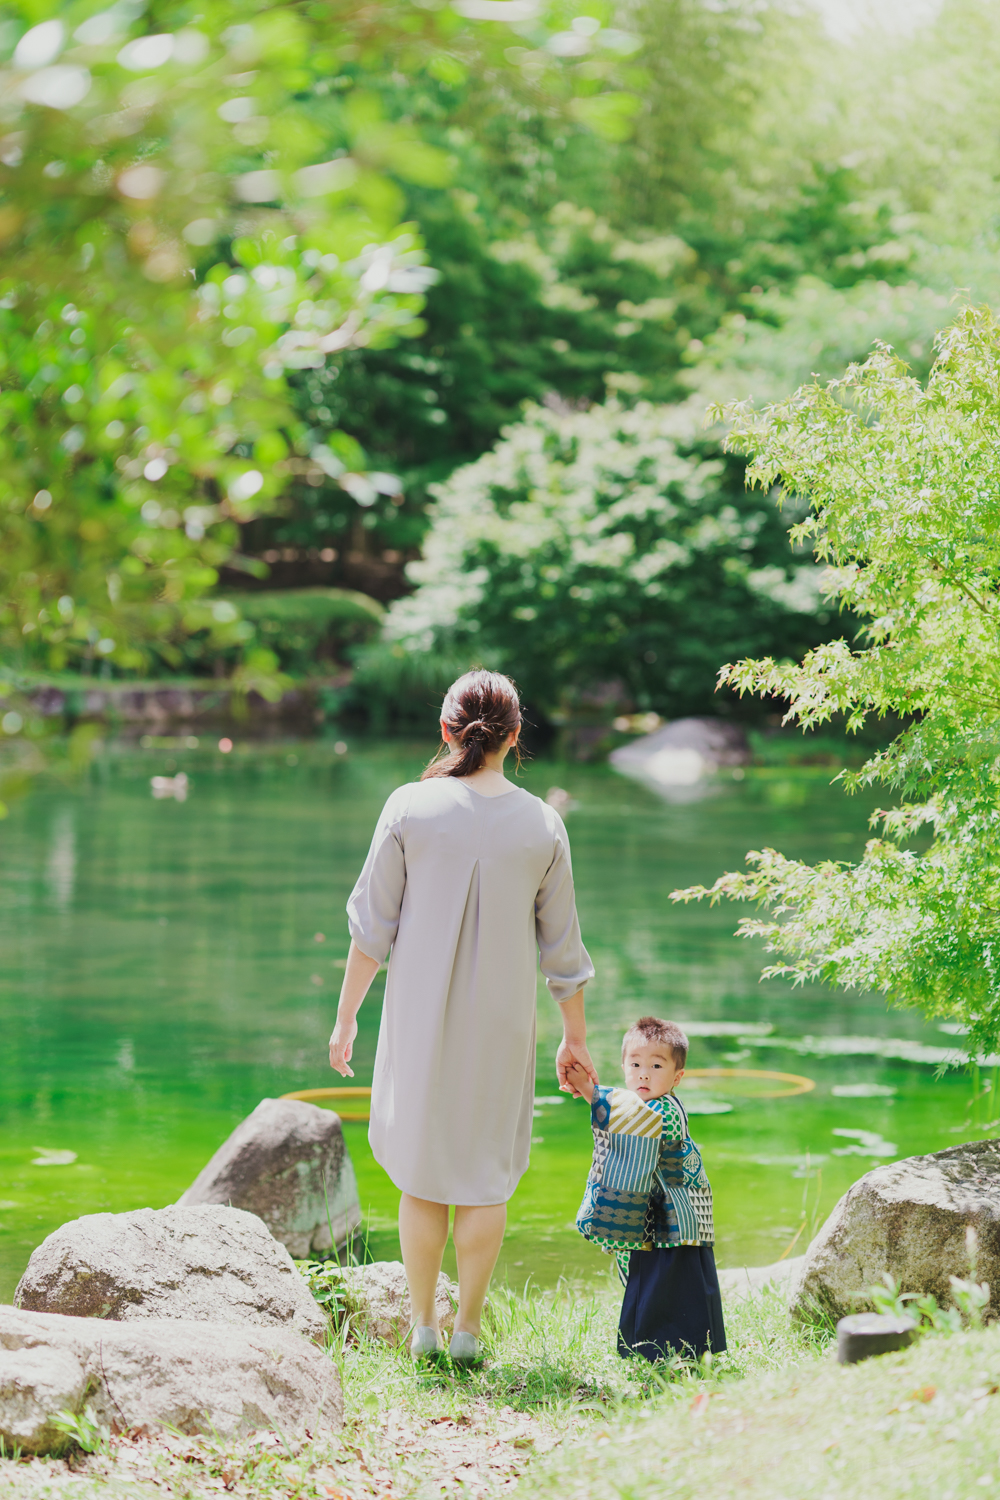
(466,877)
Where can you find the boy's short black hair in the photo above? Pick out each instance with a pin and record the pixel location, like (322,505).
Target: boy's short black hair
(667,1033)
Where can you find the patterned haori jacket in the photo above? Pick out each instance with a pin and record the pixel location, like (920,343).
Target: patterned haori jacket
(647,1186)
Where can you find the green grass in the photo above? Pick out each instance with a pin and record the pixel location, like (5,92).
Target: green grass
(923,1423)
(551,1377)
(555,1409)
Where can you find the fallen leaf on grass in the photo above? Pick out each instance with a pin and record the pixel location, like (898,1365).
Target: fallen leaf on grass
(700,1403)
(927,1393)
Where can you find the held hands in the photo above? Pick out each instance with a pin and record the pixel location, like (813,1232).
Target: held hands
(341,1047)
(574,1068)
(579,1081)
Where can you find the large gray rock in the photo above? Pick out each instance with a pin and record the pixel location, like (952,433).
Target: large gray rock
(192,1377)
(287,1163)
(909,1218)
(207,1264)
(378,1301)
(677,757)
(740,1282)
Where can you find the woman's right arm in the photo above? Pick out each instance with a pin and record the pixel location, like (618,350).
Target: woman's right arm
(373,917)
(360,972)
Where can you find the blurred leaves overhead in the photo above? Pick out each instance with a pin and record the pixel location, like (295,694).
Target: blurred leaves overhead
(192,207)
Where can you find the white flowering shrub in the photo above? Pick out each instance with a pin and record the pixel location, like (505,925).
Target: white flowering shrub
(611,552)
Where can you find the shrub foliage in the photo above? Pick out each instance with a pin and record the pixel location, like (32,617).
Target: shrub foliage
(601,553)
(903,483)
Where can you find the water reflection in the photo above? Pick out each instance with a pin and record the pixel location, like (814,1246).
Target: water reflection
(60,871)
(168,964)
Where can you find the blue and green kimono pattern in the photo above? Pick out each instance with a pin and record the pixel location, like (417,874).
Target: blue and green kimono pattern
(647,1186)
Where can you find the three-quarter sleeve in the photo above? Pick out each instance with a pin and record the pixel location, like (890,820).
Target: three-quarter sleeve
(565,961)
(374,905)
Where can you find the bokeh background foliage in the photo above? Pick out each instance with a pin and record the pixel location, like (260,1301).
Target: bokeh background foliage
(272,275)
(197,210)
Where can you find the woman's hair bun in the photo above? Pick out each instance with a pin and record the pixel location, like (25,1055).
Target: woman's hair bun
(481,711)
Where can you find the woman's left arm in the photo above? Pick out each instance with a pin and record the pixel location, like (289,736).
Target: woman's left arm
(373,917)
(360,972)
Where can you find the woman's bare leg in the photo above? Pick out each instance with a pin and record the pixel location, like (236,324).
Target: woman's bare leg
(423,1233)
(478,1235)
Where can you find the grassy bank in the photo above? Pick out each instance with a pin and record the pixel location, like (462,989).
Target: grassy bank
(552,1380)
(557,1414)
(922,1423)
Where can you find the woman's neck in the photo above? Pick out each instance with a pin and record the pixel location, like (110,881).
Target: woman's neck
(490,772)
(487,782)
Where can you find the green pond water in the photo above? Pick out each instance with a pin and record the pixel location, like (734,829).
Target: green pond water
(161,974)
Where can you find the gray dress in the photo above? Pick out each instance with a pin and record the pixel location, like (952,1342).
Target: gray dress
(465,889)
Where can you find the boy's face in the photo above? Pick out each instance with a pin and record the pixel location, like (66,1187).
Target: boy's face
(650,1070)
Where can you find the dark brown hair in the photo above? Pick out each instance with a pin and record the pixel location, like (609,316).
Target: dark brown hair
(481,710)
(667,1033)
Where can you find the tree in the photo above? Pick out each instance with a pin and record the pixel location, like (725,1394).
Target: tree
(161,274)
(568,306)
(903,484)
(189,213)
(608,550)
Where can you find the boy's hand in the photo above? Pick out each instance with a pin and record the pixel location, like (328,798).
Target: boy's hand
(580,1082)
(571,1053)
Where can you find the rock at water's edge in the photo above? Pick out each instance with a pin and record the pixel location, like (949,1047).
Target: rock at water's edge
(192,1377)
(910,1219)
(680,754)
(288,1164)
(739,1282)
(377,1299)
(204,1264)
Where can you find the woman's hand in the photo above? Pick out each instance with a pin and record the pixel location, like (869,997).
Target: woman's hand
(358,975)
(574,1054)
(342,1045)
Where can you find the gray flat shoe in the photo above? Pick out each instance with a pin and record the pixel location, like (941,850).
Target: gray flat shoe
(425,1342)
(464,1349)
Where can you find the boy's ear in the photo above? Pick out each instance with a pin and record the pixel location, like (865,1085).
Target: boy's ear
(678,1076)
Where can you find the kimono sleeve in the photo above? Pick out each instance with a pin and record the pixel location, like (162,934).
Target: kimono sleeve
(374,904)
(565,961)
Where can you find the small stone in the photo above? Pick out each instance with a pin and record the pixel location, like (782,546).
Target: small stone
(204,1264)
(378,1301)
(865,1334)
(145,1377)
(287,1162)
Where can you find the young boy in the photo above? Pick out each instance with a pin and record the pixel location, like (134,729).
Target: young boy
(648,1201)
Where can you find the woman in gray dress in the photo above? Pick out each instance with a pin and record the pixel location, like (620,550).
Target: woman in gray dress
(467,881)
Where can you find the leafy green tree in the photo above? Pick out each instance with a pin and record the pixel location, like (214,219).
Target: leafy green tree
(605,552)
(573,264)
(815,329)
(179,235)
(902,481)
(143,409)
(570,307)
